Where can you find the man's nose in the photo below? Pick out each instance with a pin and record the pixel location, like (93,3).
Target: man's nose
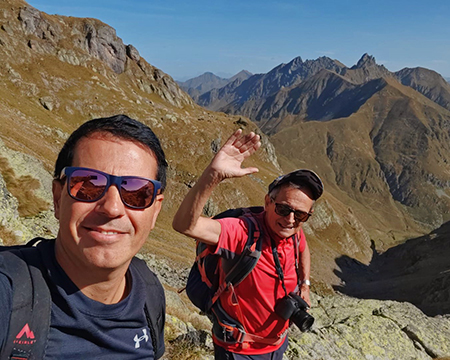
(111,203)
(290,217)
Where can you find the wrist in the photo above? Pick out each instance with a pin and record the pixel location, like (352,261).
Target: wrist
(305,282)
(212,176)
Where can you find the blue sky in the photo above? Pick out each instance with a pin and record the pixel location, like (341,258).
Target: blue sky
(188,38)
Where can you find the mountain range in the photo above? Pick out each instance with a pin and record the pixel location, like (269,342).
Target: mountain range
(256,97)
(376,134)
(379,140)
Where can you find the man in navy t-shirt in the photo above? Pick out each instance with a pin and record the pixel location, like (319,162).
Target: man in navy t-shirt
(107,193)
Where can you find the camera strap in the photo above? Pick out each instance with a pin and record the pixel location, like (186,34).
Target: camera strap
(278,265)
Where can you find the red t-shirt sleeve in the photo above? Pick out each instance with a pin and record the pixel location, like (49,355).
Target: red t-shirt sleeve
(233,237)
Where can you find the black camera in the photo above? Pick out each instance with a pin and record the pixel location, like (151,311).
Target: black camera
(293,307)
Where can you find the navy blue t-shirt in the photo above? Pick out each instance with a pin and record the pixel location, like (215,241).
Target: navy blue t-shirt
(82,328)
(5,307)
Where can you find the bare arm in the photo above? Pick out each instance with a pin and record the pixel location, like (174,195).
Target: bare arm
(226,164)
(305,272)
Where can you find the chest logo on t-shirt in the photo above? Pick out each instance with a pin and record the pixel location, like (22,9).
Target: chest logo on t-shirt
(138,339)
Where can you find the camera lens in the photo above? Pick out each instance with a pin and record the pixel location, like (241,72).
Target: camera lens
(293,307)
(302,319)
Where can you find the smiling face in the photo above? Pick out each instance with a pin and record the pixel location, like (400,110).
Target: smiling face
(282,227)
(104,234)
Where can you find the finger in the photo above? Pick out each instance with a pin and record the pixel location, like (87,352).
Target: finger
(251,147)
(240,139)
(248,141)
(246,171)
(231,140)
(250,170)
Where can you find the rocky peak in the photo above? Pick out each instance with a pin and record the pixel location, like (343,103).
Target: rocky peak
(365,70)
(365,61)
(241,75)
(296,62)
(209,75)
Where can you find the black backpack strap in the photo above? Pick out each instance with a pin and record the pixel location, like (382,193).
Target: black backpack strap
(155,305)
(31,304)
(238,269)
(249,257)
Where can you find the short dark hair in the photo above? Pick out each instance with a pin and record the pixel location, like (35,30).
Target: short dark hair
(120,126)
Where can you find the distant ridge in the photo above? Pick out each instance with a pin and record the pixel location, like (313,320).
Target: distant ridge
(208,81)
(202,83)
(262,85)
(427,82)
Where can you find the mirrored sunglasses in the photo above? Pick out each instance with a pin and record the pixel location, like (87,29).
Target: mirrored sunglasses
(285,210)
(89,185)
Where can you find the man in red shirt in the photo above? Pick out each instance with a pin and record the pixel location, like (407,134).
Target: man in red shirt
(288,204)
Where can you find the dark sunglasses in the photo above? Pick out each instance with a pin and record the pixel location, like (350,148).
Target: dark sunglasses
(89,185)
(285,210)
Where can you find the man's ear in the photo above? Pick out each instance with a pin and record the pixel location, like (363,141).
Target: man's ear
(57,188)
(157,208)
(267,201)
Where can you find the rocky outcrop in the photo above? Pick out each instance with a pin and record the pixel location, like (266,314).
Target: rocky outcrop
(102,42)
(345,328)
(80,41)
(9,214)
(352,329)
(25,228)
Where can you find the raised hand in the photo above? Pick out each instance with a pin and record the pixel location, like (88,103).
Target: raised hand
(228,161)
(226,164)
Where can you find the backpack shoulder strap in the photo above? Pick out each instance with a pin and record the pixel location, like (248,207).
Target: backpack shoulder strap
(155,305)
(29,323)
(250,256)
(248,259)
